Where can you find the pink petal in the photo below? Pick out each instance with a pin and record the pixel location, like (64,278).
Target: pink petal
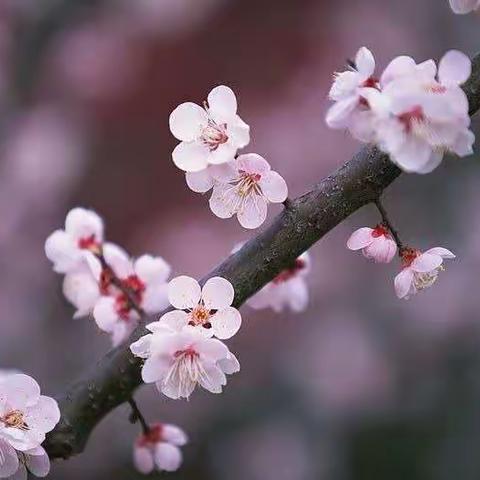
(8,459)
(174,435)
(229,364)
(403,282)
(175,319)
(399,67)
(454,68)
(381,250)
(253,212)
(440,251)
(252,163)
(217,293)
(167,457)
(214,379)
(38,464)
(20,390)
(44,415)
(426,262)
(224,200)
(81,223)
(184,292)
(226,323)
(238,133)
(199,182)
(223,154)
(339,113)
(152,269)
(222,104)
(143,460)
(211,349)
(365,62)
(190,157)
(360,238)
(464,6)
(105,314)
(274,187)
(187,120)
(298,298)
(155,368)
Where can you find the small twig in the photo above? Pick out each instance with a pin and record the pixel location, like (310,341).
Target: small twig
(388,224)
(117,282)
(137,416)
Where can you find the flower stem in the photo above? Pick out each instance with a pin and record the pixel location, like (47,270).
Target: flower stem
(388,224)
(137,416)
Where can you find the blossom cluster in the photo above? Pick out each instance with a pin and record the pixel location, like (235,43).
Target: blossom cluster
(25,417)
(414,112)
(102,279)
(420,270)
(464,6)
(210,137)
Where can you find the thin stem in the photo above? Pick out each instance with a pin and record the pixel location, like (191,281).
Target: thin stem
(388,224)
(132,301)
(137,416)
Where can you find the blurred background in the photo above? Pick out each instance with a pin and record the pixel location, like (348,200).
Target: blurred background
(359,387)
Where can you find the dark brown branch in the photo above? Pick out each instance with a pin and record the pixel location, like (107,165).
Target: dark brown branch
(137,416)
(306,220)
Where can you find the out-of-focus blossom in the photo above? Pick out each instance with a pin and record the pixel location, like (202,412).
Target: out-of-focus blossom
(376,243)
(83,233)
(464,6)
(420,270)
(288,289)
(146,280)
(426,119)
(82,291)
(209,135)
(159,448)
(245,189)
(25,415)
(179,358)
(206,308)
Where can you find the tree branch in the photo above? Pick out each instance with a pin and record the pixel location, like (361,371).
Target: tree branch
(306,220)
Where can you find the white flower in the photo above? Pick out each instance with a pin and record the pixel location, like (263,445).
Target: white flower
(427,116)
(159,448)
(34,461)
(179,358)
(376,243)
(208,309)
(145,279)
(25,415)
(464,6)
(288,288)
(246,189)
(420,270)
(210,135)
(83,233)
(350,91)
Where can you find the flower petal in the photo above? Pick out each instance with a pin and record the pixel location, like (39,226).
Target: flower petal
(454,68)
(184,292)
(187,120)
(224,201)
(338,114)
(20,390)
(44,415)
(174,435)
(440,251)
(426,262)
(190,157)
(167,457)
(464,6)
(143,460)
(274,187)
(365,62)
(83,223)
(253,212)
(217,293)
(155,368)
(105,314)
(199,182)
(38,463)
(252,163)
(360,238)
(222,104)
(152,269)
(8,459)
(176,319)
(226,323)
(403,282)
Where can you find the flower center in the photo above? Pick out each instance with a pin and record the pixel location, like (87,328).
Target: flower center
(370,82)
(200,315)
(408,255)
(412,118)
(291,272)
(427,279)
(248,183)
(90,243)
(123,304)
(14,419)
(214,135)
(152,437)
(380,230)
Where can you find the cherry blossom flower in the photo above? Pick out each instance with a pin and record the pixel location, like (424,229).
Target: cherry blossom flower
(376,243)
(34,461)
(427,117)
(25,416)
(209,135)
(350,91)
(83,233)
(180,357)
(464,6)
(145,279)
(246,189)
(206,308)
(420,270)
(288,288)
(159,448)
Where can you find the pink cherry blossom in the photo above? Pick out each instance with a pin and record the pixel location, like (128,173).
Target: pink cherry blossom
(428,116)
(209,135)
(420,270)
(83,233)
(464,6)
(25,415)
(206,308)
(178,358)
(376,243)
(159,448)
(287,289)
(145,279)
(246,189)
